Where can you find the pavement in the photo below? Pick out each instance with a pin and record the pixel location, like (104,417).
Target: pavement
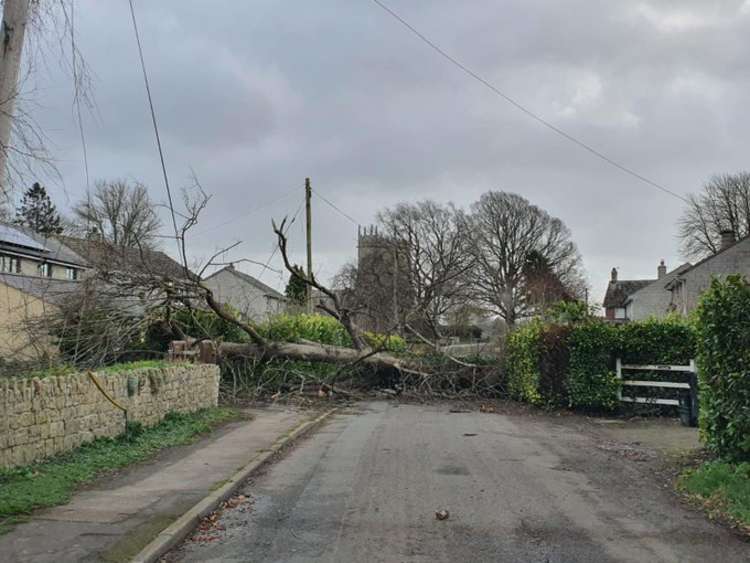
(116,517)
(517,487)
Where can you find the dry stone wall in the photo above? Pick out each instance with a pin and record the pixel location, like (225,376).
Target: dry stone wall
(44,417)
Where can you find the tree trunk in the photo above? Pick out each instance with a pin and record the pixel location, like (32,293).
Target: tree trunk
(12,30)
(317,353)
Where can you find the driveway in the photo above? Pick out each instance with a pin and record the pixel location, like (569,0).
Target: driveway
(517,487)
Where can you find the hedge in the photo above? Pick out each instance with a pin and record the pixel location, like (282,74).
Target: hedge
(322,329)
(574,365)
(722,322)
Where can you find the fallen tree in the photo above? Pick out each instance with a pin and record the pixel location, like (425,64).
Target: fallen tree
(159,290)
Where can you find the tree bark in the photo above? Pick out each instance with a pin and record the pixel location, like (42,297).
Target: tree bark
(12,31)
(317,353)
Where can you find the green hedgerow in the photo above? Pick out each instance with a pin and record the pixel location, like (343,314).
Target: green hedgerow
(722,325)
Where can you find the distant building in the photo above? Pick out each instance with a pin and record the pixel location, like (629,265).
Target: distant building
(252,298)
(618,293)
(382,294)
(634,300)
(686,288)
(35,274)
(654,300)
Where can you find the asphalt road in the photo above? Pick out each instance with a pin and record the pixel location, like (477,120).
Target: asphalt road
(520,487)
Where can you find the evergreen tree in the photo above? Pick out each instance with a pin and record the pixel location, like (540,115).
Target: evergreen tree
(38,212)
(296,290)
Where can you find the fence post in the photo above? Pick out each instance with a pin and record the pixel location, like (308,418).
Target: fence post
(618,367)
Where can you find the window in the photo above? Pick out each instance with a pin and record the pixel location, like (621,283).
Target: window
(10,264)
(620,313)
(45,270)
(71,274)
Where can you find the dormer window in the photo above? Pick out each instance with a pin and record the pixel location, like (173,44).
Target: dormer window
(10,264)
(45,270)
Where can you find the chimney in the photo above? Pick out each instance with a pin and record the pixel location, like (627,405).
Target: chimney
(727,238)
(661,271)
(614,275)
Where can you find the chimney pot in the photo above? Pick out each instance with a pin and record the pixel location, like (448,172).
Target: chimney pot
(727,238)
(614,274)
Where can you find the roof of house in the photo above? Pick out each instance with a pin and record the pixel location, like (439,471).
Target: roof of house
(266,289)
(21,240)
(708,258)
(619,291)
(103,255)
(662,282)
(49,289)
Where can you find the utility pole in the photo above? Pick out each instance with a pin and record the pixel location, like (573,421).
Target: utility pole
(308,214)
(12,30)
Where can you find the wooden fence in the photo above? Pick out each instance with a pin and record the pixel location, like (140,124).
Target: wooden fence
(688,396)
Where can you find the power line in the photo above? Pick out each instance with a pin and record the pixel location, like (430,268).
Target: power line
(156,128)
(247,214)
(523,108)
(352,219)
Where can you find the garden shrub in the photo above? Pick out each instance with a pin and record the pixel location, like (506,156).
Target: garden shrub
(322,329)
(592,382)
(554,359)
(722,323)
(522,362)
(657,341)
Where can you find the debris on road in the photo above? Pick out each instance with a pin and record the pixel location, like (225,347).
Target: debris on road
(442,515)
(470,433)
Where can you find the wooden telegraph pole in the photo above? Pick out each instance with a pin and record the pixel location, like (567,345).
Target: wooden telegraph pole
(308,214)
(12,30)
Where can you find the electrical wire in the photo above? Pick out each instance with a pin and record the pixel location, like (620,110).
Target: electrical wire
(352,219)
(248,213)
(523,108)
(156,127)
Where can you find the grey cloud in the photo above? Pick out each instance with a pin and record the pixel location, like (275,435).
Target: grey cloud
(257,95)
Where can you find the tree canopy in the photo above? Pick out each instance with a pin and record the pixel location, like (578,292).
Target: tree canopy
(37,212)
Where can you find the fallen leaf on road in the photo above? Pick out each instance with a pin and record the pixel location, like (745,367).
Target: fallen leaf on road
(442,514)
(486,408)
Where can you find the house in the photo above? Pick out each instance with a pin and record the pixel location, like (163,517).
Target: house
(101,255)
(686,288)
(653,300)
(35,273)
(618,292)
(249,296)
(634,300)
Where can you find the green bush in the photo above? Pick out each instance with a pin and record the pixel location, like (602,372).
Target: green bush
(657,341)
(592,382)
(322,329)
(554,361)
(522,362)
(722,322)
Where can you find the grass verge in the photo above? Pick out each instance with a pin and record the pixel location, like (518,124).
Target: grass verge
(53,482)
(722,488)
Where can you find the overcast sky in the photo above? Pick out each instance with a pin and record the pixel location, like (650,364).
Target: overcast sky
(256,95)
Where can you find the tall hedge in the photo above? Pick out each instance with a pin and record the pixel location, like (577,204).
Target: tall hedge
(574,364)
(592,382)
(522,362)
(722,322)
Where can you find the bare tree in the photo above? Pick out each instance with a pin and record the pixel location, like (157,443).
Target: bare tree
(723,205)
(506,230)
(433,240)
(119,213)
(38,29)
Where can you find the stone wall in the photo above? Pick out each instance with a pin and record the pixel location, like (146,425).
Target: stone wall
(43,417)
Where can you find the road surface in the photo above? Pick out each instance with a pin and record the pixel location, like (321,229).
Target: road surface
(517,487)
